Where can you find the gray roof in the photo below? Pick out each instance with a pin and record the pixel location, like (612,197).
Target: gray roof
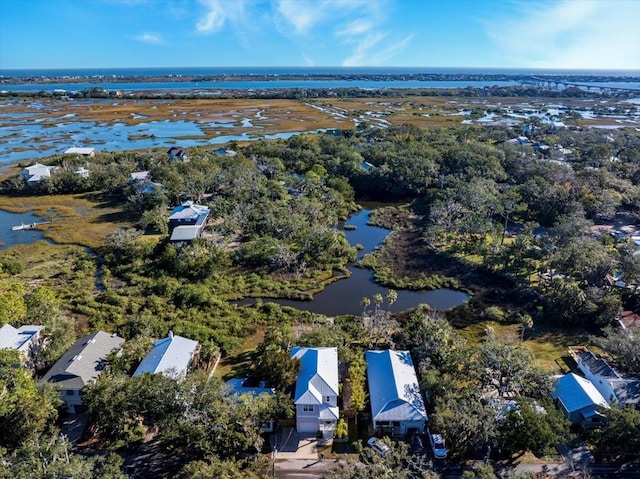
(393,387)
(598,366)
(18,338)
(188,210)
(577,393)
(185,233)
(627,391)
(84,361)
(318,374)
(170,356)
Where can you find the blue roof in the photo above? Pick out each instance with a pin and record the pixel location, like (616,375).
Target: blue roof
(170,356)
(393,387)
(577,393)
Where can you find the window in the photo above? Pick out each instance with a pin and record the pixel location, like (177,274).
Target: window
(307,408)
(328,398)
(69,392)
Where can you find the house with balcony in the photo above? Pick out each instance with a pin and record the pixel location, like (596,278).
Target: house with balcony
(187,221)
(80,366)
(397,408)
(316,394)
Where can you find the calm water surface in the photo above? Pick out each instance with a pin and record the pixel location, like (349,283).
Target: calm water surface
(8,237)
(343,296)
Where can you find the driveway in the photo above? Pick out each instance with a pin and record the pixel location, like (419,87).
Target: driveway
(291,445)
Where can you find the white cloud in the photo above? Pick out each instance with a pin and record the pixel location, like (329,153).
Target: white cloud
(588,34)
(220,12)
(151,38)
(351,29)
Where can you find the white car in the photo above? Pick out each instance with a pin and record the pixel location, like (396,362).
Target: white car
(437,446)
(378,446)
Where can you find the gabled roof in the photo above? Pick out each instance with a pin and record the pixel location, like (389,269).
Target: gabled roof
(318,374)
(188,210)
(84,361)
(597,366)
(37,172)
(170,356)
(393,387)
(576,393)
(18,338)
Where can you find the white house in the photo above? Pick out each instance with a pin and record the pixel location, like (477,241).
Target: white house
(24,339)
(36,173)
(80,366)
(316,396)
(170,356)
(579,400)
(187,221)
(610,384)
(397,407)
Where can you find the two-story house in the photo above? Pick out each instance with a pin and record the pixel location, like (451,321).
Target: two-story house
(80,366)
(316,395)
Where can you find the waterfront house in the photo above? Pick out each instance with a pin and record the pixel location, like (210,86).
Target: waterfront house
(579,401)
(614,387)
(82,171)
(25,339)
(171,356)
(397,408)
(80,366)
(187,221)
(36,173)
(86,152)
(176,153)
(316,394)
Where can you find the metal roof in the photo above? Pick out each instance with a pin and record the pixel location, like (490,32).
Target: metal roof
(185,233)
(576,393)
(188,210)
(84,361)
(79,151)
(18,338)
(170,356)
(393,387)
(597,366)
(318,374)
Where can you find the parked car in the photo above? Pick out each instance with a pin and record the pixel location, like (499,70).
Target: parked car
(437,445)
(379,446)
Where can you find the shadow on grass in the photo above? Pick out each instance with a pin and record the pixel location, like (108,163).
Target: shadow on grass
(240,365)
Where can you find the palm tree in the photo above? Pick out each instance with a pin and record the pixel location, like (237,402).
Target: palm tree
(365,302)
(377,299)
(392,297)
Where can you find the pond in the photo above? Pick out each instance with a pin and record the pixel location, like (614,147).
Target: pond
(9,238)
(344,296)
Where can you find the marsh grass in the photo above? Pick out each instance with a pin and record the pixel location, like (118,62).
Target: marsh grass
(84,219)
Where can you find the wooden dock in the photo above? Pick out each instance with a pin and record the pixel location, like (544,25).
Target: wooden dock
(29,226)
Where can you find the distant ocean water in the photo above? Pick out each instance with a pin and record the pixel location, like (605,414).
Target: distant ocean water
(241,71)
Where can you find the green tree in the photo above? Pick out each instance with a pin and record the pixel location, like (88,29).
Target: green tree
(620,437)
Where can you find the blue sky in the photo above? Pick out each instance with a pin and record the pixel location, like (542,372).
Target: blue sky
(585,34)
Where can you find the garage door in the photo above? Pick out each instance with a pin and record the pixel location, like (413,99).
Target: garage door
(307,424)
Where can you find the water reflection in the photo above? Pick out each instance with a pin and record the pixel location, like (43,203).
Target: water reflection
(343,296)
